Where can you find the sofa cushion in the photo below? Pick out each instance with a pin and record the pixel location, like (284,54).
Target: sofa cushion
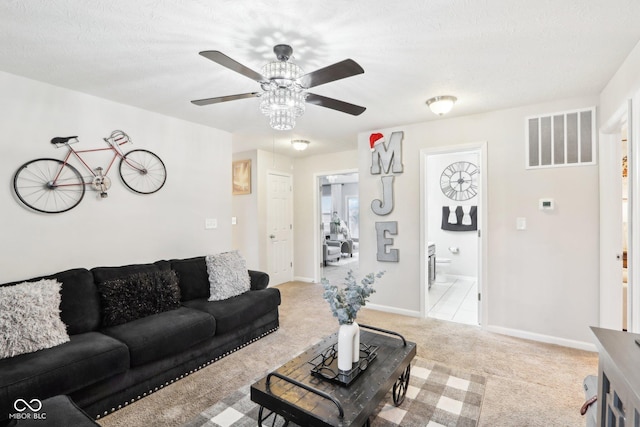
(103,274)
(160,335)
(80,305)
(30,317)
(238,311)
(193,277)
(139,295)
(228,275)
(86,359)
(259,279)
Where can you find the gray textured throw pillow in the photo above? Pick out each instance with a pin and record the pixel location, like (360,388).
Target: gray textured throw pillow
(228,275)
(30,317)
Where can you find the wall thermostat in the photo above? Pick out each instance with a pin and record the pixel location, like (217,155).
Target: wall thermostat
(546,205)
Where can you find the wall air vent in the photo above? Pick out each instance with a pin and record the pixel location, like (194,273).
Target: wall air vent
(561,139)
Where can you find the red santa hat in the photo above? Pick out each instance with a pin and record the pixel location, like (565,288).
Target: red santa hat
(375,138)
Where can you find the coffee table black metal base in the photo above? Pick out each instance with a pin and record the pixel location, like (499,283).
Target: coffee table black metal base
(295,394)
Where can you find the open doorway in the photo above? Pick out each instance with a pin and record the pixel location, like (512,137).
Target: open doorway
(452,194)
(339,226)
(624,162)
(616,223)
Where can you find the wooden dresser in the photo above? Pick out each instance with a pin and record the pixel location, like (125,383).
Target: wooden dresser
(618,378)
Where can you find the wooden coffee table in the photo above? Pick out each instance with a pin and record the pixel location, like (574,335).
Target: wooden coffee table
(321,398)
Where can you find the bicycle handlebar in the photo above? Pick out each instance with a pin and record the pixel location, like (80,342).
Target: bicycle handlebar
(117,138)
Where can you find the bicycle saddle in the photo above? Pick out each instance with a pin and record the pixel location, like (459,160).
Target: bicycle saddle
(63,139)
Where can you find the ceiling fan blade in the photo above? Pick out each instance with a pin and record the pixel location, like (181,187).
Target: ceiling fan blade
(334,104)
(337,71)
(218,99)
(225,61)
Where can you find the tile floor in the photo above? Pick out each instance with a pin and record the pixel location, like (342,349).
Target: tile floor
(455,300)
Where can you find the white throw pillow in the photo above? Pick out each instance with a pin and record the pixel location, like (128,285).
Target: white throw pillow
(228,275)
(30,317)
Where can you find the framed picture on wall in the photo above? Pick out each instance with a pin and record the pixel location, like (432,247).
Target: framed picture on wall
(241,177)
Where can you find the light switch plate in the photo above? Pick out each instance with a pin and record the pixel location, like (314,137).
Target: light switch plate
(210,223)
(521,223)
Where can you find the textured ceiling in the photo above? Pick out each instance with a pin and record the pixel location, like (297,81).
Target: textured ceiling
(491,54)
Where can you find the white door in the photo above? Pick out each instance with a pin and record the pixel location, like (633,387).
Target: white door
(279,228)
(611,230)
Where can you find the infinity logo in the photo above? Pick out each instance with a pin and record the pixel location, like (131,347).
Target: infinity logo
(21,405)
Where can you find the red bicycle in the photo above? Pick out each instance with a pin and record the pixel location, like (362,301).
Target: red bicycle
(55,186)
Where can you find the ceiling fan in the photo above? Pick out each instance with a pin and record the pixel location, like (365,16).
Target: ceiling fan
(284,86)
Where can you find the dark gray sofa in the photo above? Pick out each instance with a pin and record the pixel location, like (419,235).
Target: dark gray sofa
(105,368)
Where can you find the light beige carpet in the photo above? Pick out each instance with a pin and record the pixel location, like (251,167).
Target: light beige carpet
(528,383)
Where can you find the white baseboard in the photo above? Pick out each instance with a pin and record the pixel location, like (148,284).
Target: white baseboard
(303,279)
(393,310)
(580,345)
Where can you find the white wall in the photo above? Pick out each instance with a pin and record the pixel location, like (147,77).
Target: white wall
(622,86)
(126,227)
(268,162)
(250,210)
(541,282)
(245,208)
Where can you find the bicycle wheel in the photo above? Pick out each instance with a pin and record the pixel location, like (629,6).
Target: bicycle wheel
(35,186)
(142,171)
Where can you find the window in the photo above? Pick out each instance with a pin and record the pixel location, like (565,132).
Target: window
(353,215)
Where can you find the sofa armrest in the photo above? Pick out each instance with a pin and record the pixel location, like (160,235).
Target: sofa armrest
(259,280)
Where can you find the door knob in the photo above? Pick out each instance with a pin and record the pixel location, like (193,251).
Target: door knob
(272,236)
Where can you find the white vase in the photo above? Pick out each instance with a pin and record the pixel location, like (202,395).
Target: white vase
(348,346)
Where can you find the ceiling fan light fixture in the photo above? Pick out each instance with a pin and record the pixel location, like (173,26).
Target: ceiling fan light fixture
(299,144)
(283,100)
(441,105)
(282,73)
(284,86)
(283,106)
(282,120)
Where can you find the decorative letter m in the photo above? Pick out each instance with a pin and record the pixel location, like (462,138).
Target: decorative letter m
(388,155)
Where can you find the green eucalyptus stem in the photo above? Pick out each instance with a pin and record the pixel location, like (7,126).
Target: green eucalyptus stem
(346,301)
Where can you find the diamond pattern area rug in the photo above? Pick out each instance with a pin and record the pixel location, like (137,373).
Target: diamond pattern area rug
(436,396)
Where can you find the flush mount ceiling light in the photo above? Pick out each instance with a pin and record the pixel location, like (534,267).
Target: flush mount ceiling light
(441,105)
(300,144)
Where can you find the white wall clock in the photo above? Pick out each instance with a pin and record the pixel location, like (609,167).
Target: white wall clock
(459,181)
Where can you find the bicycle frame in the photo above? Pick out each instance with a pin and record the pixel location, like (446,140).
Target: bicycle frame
(116,154)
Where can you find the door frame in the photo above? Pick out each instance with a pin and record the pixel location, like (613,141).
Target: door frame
(317,218)
(610,296)
(481,148)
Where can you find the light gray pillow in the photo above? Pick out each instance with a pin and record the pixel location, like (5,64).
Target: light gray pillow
(30,317)
(228,275)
